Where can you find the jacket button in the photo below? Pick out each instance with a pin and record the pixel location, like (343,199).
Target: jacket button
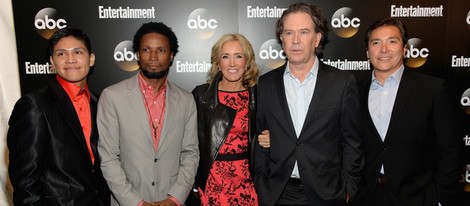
(153,183)
(155,160)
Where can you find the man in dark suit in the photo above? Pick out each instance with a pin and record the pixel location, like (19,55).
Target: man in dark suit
(411,134)
(312,113)
(52,136)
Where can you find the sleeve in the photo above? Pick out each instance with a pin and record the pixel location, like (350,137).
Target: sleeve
(448,133)
(353,160)
(189,158)
(261,157)
(26,139)
(109,151)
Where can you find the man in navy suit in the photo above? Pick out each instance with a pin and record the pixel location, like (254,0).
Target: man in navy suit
(411,135)
(53,134)
(312,113)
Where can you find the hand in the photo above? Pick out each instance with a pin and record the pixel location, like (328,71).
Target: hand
(264,139)
(166,202)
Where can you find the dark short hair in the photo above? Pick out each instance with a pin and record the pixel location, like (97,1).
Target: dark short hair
(388,21)
(156,27)
(66,32)
(321,25)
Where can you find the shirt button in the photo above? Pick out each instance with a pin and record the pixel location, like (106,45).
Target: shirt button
(155,160)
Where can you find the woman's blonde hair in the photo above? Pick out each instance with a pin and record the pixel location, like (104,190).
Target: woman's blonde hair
(252,70)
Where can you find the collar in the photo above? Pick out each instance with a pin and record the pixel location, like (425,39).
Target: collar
(73,90)
(396,76)
(313,71)
(210,99)
(146,87)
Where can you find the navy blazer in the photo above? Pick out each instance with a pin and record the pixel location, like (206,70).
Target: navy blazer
(327,150)
(49,160)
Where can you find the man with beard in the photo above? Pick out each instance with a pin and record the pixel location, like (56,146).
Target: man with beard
(147,126)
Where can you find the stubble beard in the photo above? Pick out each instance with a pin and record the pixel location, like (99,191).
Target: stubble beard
(154,75)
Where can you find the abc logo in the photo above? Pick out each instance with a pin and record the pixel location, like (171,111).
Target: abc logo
(200,22)
(125,57)
(468,19)
(415,56)
(46,22)
(271,54)
(467,175)
(344,24)
(465,101)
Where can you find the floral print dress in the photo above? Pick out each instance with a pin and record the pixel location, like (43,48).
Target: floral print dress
(229,182)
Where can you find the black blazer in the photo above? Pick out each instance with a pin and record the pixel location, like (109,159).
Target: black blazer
(327,150)
(49,159)
(421,151)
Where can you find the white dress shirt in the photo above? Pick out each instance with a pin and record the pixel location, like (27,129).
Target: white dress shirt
(299,95)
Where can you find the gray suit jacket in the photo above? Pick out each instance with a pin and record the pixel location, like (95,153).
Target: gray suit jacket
(132,168)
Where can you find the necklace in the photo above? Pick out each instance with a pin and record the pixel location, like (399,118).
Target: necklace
(155,127)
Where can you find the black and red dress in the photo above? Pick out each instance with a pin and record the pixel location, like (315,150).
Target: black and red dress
(229,181)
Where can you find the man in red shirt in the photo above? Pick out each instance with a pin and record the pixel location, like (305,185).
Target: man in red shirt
(53,134)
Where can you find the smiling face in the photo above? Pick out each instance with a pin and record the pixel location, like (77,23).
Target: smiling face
(232,62)
(386,50)
(299,39)
(72,60)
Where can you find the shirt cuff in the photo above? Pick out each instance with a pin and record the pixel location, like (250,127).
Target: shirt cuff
(174,200)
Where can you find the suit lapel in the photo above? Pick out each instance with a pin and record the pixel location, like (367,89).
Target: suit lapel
(364,88)
(170,100)
(321,86)
(405,90)
(94,130)
(284,115)
(65,106)
(134,96)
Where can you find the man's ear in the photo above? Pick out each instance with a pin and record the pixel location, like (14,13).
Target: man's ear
(52,62)
(92,59)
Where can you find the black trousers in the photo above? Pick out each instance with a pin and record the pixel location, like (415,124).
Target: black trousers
(293,194)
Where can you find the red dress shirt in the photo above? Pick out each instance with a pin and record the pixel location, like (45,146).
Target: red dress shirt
(81,102)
